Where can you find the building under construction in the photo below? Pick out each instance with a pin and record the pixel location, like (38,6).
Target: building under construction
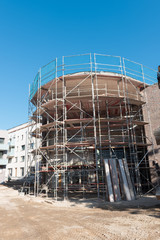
(89,114)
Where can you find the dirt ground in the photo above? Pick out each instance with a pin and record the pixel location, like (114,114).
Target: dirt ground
(24,217)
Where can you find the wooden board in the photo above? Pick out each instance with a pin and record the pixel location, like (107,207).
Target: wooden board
(129,179)
(125,183)
(108,180)
(115,181)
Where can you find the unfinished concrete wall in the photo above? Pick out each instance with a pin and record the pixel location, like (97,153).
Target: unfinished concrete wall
(151,112)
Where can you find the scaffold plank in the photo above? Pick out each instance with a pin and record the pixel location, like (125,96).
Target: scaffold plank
(129,179)
(108,180)
(125,183)
(115,181)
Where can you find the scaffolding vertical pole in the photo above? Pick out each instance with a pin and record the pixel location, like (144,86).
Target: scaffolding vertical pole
(108,129)
(101,164)
(65,175)
(38,133)
(35,177)
(37,114)
(94,123)
(82,173)
(121,113)
(56,140)
(133,153)
(127,115)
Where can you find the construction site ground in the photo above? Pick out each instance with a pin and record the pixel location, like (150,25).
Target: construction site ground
(27,217)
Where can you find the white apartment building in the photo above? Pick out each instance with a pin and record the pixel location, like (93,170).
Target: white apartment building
(3,154)
(21,144)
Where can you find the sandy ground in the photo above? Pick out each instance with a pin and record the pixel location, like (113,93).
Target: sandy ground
(24,217)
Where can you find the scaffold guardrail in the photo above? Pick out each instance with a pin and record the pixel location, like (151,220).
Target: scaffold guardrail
(90,63)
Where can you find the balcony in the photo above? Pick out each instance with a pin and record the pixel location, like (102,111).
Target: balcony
(11,153)
(3,147)
(3,161)
(11,143)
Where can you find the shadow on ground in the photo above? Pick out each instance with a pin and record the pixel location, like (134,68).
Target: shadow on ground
(148,203)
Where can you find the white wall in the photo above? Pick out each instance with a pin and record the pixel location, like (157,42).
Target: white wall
(21,157)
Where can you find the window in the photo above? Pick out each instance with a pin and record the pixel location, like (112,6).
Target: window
(2,140)
(22,171)
(22,137)
(23,147)
(16,159)
(17,148)
(1,154)
(10,160)
(22,158)
(10,172)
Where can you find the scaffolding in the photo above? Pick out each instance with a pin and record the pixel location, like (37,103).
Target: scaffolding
(88,109)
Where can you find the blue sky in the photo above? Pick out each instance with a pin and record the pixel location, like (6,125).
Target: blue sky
(34,32)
